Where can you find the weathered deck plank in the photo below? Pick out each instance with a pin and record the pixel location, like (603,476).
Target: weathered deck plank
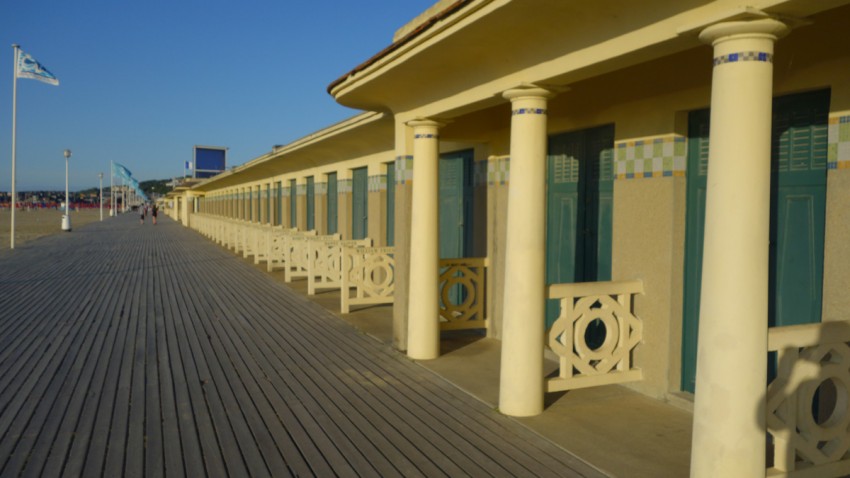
(130,350)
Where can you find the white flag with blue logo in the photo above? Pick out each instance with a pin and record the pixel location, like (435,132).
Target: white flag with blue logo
(29,68)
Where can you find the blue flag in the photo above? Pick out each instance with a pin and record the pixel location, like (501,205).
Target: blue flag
(122,171)
(27,67)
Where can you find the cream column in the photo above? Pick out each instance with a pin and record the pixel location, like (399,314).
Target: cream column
(423,339)
(729,409)
(521,384)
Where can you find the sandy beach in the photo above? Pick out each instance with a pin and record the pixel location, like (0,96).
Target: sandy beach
(35,223)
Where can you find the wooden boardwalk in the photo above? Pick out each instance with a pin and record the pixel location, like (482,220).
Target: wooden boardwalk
(130,350)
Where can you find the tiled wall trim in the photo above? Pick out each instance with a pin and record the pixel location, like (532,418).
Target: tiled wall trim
(403,169)
(838,140)
(377,183)
(498,170)
(655,157)
(344,186)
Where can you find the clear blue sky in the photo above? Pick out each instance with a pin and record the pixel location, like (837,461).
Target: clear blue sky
(143,81)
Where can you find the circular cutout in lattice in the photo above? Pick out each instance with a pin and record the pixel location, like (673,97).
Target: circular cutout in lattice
(609,321)
(836,421)
(595,334)
(467,292)
(379,272)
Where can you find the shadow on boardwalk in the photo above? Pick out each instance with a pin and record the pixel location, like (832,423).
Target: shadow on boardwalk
(130,350)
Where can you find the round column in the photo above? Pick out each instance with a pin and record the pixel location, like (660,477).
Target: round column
(521,385)
(729,409)
(423,336)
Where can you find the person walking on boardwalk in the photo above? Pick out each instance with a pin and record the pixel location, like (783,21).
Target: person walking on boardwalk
(153,214)
(142,215)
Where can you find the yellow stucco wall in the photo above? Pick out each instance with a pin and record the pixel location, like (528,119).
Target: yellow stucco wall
(649,231)
(836,270)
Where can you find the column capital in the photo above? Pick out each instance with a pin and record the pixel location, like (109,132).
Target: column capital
(424,122)
(764,28)
(529,91)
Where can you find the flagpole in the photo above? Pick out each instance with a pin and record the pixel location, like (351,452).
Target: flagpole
(111,189)
(14,131)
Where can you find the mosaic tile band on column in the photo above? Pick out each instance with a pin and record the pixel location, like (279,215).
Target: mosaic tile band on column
(838,141)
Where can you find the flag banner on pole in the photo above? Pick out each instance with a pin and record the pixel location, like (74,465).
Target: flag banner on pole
(122,171)
(29,68)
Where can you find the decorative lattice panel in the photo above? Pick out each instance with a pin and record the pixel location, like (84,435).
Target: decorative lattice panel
(596,334)
(370,271)
(462,304)
(325,267)
(808,410)
(297,254)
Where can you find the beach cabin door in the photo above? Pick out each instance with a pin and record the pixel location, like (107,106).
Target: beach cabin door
(359,204)
(455,209)
(580,209)
(311,203)
(390,204)
(333,202)
(797,217)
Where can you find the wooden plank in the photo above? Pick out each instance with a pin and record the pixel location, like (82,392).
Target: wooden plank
(97,404)
(198,436)
(306,355)
(187,361)
(462,420)
(312,395)
(169,389)
(119,425)
(41,427)
(54,439)
(26,411)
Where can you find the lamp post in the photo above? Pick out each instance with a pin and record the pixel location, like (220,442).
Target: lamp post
(66,218)
(100,176)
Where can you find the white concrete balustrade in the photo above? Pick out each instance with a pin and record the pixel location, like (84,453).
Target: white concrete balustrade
(607,306)
(325,267)
(370,271)
(463,280)
(808,403)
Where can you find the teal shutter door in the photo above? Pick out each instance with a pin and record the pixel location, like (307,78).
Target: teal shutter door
(797,217)
(454,213)
(455,194)
(311,204)
(698,128)
(798,207)
(267,201)
(333,201)
(390,204)
(255,204)
(293,204)
(580,174)
(359,203)
(279,204)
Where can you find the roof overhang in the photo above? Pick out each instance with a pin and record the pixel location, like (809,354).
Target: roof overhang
(474,50)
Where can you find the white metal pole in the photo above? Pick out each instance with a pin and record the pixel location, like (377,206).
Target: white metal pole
(14,127)
(66,219)
(111,189)
(101,195)
(67,198)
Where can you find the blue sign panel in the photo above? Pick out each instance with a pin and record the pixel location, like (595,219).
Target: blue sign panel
(209,161)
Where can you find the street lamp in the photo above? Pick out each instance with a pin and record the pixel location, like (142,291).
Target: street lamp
(66,218)
(101,195)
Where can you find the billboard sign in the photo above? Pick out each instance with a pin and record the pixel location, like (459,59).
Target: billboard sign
(209,161)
